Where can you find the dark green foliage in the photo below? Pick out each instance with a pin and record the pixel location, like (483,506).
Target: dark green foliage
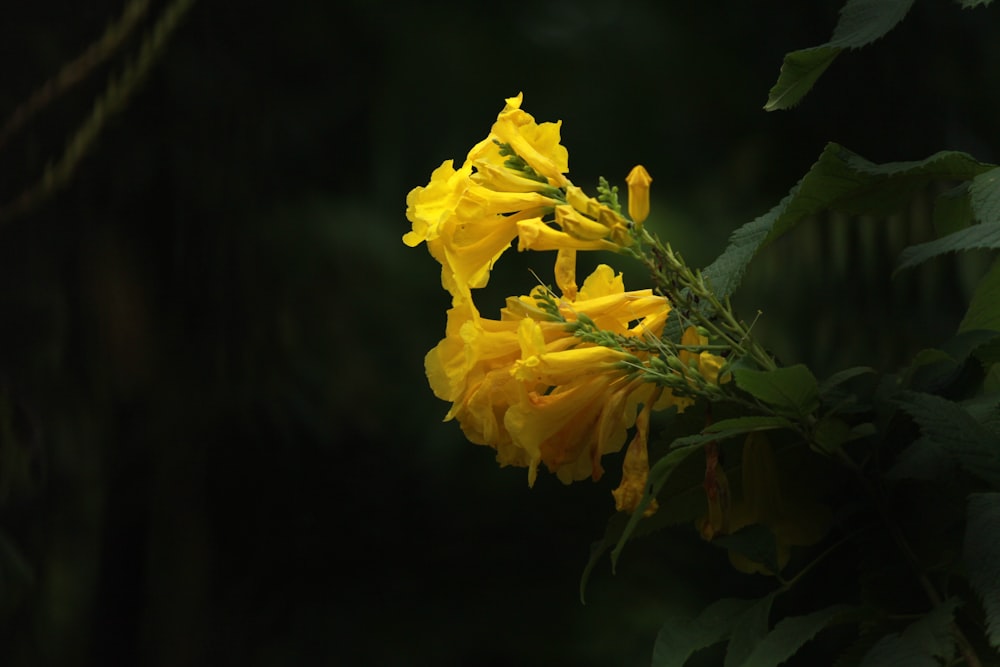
(981,556)
(791,390)
(897,651)
(680,637)
(790,634)
(977,237)
(839,181)
(983,312)
(861,23)
(946,426)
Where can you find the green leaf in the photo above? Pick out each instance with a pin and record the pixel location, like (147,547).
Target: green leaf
(953,210)
(864,21)
(981,556)
(831,434)
(945,425)
(896,651)
(840,377)
(730,428)
(792,390)
(932,633)
(922,460)
(840,180)
(750,630)
(791,634)
(658,476)
(934,369)
(613,530)
(991,383)
(799,72)
(984,309)
(977,237)
(679,638)
(967,4)
(984,195)
(861,22)
(751,424)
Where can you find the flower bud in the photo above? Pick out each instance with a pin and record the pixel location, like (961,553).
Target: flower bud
(638,193)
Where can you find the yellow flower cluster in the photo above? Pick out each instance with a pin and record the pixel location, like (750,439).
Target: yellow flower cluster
(525,384)
(512,185)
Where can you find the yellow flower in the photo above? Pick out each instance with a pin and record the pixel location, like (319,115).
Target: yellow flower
(512,185)
(529,388)
(534,234)
(537,144)
(638,181)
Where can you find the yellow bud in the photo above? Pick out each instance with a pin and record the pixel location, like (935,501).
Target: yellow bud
(638,193)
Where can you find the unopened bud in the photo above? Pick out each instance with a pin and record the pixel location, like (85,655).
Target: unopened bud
(638,193)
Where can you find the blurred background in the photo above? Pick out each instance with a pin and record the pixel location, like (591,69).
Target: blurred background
(217,444)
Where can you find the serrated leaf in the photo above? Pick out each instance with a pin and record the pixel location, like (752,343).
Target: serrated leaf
(861,22)
(658,476)
(932,633)
(895,651)
(952,210)
(799,72)
(981,556)
(864,21)
(967,4)
(984,195)
(977,237)
(791,389)
(791,634)
(934,369)
(947,426)
(840,180)
(840,377)
(922,460)
(984,308)
(679,638)
(750,630)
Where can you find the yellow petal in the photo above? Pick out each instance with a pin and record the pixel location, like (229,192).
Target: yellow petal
(635,469)
(533,234)
(565,273)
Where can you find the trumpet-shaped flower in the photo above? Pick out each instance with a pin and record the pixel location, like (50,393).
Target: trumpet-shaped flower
(534,234)
(529,388)
(512,184)
(537,144)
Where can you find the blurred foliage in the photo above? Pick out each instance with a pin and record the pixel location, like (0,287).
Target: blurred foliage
(216,442)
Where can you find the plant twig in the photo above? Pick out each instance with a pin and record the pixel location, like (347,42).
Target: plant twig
(113,100)
(76,70)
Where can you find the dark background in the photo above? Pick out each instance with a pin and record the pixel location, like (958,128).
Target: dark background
(216,439)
